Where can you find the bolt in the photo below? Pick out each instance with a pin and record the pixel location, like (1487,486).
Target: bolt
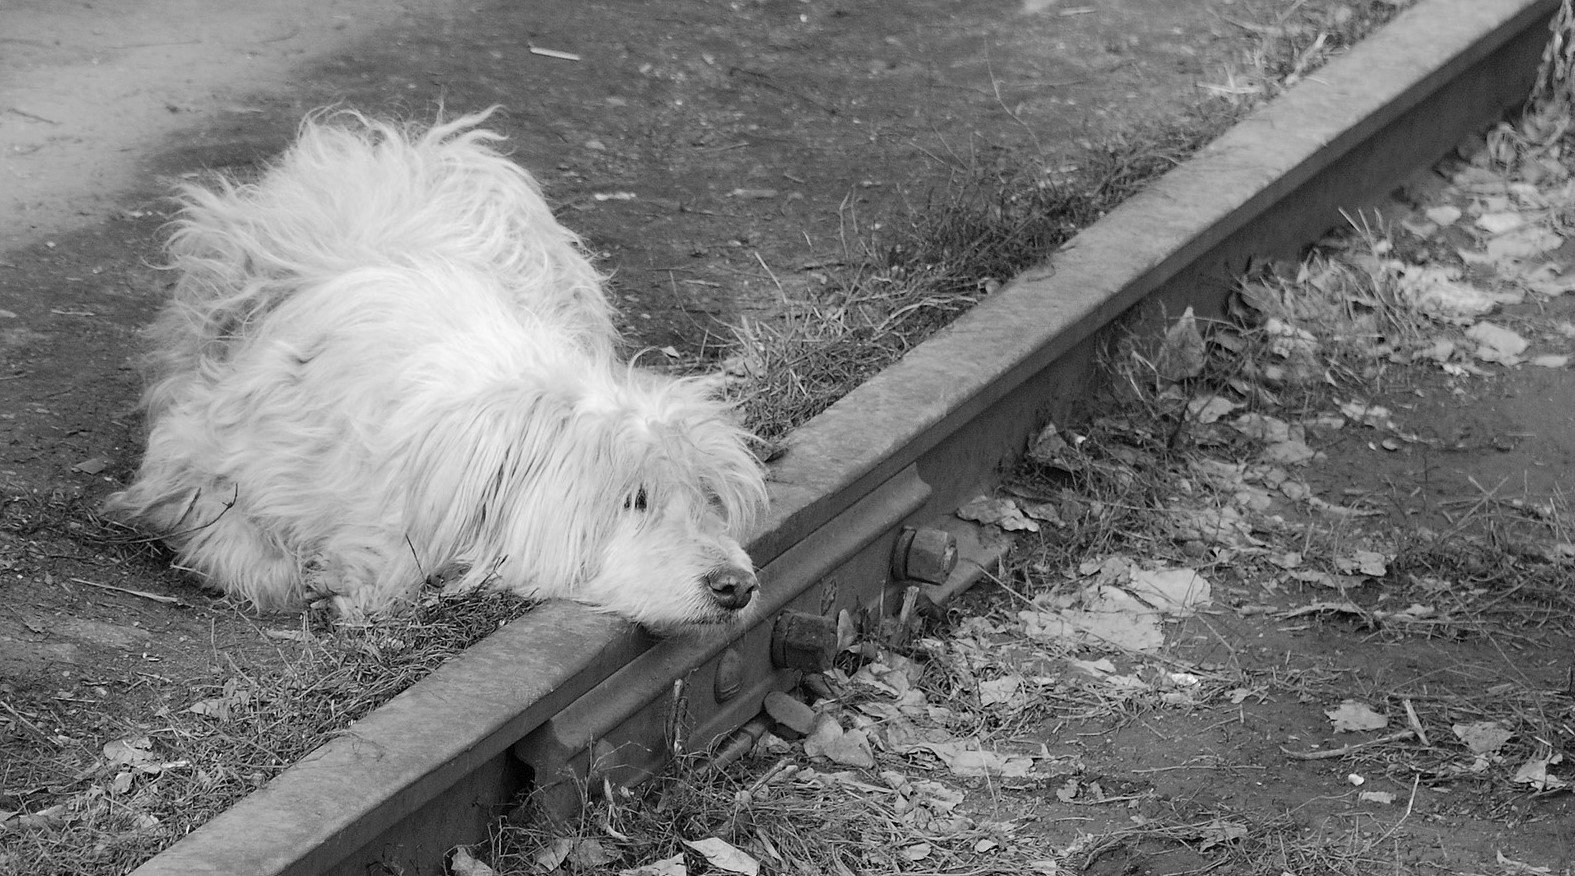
(805,642)
(924,554)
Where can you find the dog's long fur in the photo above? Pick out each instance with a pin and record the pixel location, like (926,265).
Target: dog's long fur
(385,360)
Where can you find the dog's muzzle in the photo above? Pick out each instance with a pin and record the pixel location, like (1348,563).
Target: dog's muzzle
(731,587)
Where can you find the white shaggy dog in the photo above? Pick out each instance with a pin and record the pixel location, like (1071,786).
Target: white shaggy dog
(385,361)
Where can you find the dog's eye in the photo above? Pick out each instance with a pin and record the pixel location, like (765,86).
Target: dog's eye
(637,501)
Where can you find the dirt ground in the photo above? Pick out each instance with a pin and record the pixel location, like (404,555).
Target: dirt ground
(720,158)
(709,152)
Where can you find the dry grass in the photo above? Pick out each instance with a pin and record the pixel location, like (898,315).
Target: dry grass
(794,819)
(990,223)
(90,812)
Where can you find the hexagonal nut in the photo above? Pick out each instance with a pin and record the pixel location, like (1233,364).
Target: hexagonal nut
(805,642)
(924,554)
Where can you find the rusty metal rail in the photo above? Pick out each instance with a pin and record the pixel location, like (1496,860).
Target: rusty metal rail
(563,696)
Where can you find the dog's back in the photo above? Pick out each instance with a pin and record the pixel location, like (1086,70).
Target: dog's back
(355,192)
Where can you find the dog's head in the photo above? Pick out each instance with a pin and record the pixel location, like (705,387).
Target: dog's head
(686,488)
(625,490)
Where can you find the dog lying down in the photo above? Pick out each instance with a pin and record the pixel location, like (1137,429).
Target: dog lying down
(385,361)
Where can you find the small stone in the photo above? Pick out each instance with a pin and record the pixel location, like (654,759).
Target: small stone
(789,713)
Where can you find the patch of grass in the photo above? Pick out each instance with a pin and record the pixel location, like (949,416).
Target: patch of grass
(89,809)
(990,223)
(792,818)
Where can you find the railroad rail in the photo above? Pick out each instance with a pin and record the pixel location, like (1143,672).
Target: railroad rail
(861,504)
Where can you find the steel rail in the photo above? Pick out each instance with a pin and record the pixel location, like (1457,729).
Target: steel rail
(563,698)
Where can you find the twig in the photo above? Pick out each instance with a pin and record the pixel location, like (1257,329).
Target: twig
(1347,749)
(170,600)
(782,766)
(23,721)
(1416,725)
(772,275)
(37,118)
(554,53)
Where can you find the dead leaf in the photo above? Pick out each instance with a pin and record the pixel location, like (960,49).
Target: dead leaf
(1352,716)
(1220,831)
(553,854)
(1482,737)
(1222,526)
(463,863)
(130,751)
(1182,354)
(1496,343)
(1006,690)
(1174,592)
(1522,243)
(1297,346)
(673,866)
(1210,408)
(1369,563)
(1095,668)
(1048,446)
(723,856)
(1099,629)
(590,854)
(1534,772)
(1500,223)
(1262,427)
(1001,512)
(1437,291)
(1287,560)
(844,747)
(1288,453)
(234,698)
(976,762)
(1375,416)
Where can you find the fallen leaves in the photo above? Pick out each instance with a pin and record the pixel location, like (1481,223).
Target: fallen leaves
(1120,606)
(1352,716)
(1002,512)
(1534,772)
(1497,344)
(828,740)
(1482,737)
(724,856)
(234,699)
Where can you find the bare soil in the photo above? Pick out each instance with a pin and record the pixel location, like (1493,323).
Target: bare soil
(720,158)
(710,152)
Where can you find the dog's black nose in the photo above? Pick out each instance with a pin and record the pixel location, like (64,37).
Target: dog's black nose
(731,587)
